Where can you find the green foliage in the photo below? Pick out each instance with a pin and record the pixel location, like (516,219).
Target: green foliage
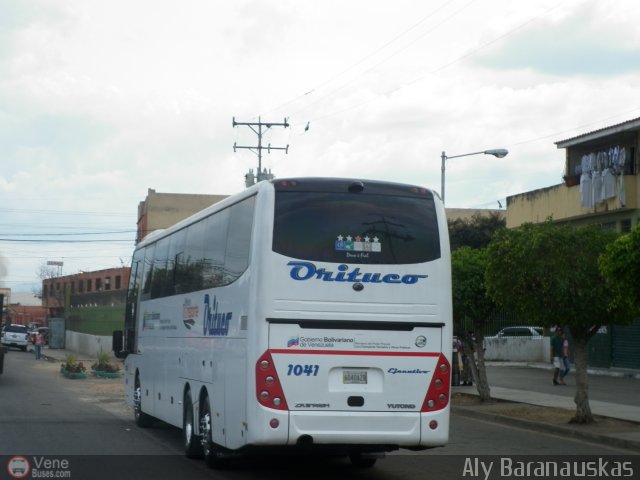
(70,359)
(470,299)
(103,357)
(104,364)
(620,266)
(475,232)
(72,365)
(548,275)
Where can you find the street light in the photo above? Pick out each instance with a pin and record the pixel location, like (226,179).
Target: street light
(496,152)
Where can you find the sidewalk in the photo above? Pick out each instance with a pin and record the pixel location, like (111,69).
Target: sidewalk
(627,437)
(60,355)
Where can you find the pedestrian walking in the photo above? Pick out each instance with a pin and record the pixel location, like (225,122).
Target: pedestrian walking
(556,354)
(466,377)
(38,345)
(564,369)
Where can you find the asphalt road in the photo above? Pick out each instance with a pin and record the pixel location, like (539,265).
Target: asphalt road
(44,415)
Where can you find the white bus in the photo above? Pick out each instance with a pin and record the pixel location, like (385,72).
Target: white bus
(311,313)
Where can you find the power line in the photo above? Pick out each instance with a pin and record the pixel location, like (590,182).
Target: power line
(29,240)
(71,233)
(393,54)
(441,67)
(366,57)
(65,212)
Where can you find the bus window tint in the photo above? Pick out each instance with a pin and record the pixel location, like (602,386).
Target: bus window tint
(147,271)
(162,279)
(215,243)
(356,228)
(239,239)
(212,252)
(196,256)
(176,259)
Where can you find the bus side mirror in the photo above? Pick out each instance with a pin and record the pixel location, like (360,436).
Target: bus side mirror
(117,344)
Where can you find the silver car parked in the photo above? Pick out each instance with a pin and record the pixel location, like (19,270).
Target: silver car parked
(16,336)
(521,331)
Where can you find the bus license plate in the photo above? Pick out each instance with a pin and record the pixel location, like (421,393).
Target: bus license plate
(354,377)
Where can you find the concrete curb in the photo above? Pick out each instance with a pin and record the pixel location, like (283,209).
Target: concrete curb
(548,428)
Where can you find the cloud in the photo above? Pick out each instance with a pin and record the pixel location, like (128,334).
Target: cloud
(100,101)
(590,40)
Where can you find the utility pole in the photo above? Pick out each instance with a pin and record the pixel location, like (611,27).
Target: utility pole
(257,128)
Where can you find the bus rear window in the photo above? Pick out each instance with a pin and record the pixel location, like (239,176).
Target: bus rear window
(356,227)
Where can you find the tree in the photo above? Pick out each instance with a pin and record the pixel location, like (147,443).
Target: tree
(470,300)
(548,274)
(475,232)
(55,297)
(620,266)
(469,295)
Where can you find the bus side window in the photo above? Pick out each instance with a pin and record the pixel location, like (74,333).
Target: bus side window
(161,278)
(131,307)
(215,231)
(176,260)
(147,271)
(192,280)
(239,239)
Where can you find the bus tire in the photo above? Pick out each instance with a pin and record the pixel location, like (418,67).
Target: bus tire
(142,419)
(214,455)
(192,442)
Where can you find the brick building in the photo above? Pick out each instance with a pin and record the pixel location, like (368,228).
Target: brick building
(25,314)
(101,287)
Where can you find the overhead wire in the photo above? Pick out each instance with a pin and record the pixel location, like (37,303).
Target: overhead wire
(95,240)
(64,212)
(443,66)
(70,233)
(385,59)
(311,90)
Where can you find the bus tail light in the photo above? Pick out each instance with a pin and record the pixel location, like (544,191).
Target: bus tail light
(268,389)
(438,393)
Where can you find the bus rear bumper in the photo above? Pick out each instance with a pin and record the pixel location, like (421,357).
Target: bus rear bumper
(402,429)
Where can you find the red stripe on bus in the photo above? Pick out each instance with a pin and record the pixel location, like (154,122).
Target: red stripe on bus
(352,352)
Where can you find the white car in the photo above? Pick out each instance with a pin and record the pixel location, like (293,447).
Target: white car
(16,336)
(520,331)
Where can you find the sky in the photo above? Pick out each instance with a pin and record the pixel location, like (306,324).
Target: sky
(100,101)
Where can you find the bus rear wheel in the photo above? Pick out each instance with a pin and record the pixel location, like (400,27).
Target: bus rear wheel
(214,455)
(192,443)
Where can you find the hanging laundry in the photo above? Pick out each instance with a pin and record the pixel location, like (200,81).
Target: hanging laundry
(609,184)
(598,187)
(586,191)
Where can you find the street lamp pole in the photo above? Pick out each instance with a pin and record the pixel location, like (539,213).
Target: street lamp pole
(496,152)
